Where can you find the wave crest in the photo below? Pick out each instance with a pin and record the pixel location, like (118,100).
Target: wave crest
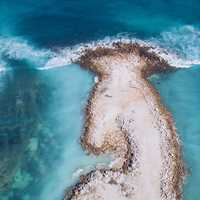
(179,46)
(19,49)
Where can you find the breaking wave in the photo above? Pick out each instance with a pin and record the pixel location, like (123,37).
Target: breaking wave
(179,46)
(16,48)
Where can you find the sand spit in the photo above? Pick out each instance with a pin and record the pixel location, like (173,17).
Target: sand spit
(125,117)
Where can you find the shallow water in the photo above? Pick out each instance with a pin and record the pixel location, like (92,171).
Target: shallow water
(181,93)
(42,111)
(42,121)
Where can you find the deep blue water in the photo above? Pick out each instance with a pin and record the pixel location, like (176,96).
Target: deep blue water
(42,111)
(53,23)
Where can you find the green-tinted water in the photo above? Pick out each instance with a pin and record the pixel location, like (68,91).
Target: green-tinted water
(42,116)
(180,91)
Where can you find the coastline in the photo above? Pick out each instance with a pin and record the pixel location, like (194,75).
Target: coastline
(102,134)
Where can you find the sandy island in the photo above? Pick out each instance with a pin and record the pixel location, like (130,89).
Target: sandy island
(125,118)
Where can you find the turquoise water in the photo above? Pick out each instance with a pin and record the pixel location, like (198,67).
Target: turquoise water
(181,93)
(44,129)
(42,111)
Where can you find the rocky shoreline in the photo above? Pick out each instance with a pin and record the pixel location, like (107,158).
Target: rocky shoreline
(110,127)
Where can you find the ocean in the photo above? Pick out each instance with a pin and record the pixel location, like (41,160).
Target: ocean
(43,95)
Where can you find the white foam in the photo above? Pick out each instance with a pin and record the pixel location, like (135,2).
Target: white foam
(78,172)
(179,46)
(68,55)
(2,66)
(19,49)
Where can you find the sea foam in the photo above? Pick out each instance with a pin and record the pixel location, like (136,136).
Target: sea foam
(180,47)
(19,49)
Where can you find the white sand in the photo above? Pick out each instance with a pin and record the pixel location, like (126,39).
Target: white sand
(123,102)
